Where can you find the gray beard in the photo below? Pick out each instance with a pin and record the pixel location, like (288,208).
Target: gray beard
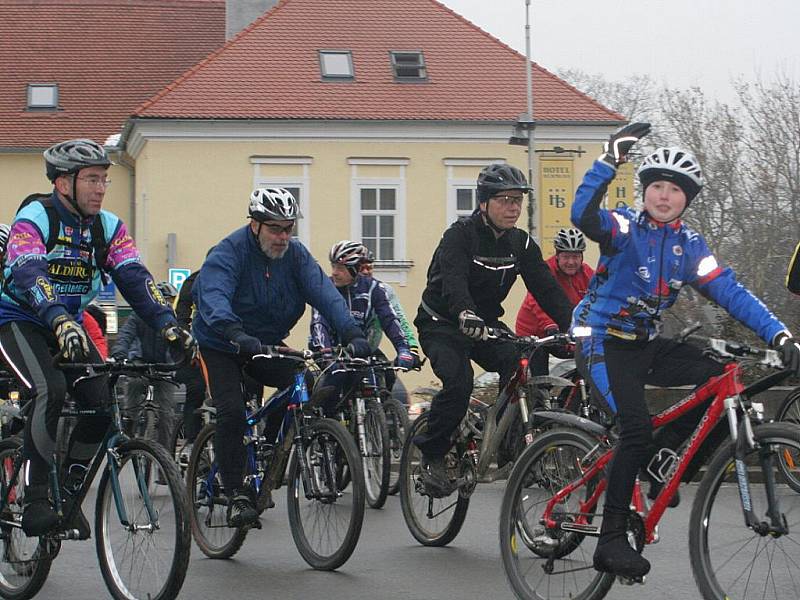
(271,253)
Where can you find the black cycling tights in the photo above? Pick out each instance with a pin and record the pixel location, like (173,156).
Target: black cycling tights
(28,351)
(618,371)
(225,381)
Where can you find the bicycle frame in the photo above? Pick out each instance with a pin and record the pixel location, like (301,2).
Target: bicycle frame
(728,393)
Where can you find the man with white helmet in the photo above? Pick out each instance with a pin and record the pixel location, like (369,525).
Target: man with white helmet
(252,289)
(573,275)
(61,247)
(367,300)
(647,257)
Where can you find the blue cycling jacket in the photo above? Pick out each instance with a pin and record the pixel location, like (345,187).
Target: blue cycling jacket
(644,264)
(367,299)
(240,289)
(41,285)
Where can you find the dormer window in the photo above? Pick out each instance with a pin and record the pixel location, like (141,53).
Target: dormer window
(409,66)
(336,64)
(43,96)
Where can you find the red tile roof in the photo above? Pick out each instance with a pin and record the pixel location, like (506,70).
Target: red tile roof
(107,57)
(271,70)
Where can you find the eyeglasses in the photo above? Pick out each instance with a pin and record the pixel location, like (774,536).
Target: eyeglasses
(96,181)
(509,199)
(275,229)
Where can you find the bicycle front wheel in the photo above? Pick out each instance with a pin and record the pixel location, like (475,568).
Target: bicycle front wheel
(432,521)
(789,412)
(143,536)
(208,500)
(549,563)
(730,560)
(375,458)
(325,519)
(397,424)
(24,562)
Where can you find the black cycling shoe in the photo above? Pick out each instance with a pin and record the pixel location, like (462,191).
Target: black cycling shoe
(614,553)
(434,476)
(38,516)
(241,511)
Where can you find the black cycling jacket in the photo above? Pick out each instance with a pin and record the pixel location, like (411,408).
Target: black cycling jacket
(473,270)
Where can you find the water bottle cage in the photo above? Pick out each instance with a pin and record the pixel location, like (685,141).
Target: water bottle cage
(662,464)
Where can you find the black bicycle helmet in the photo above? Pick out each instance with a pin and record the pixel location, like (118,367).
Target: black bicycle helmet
(498,178)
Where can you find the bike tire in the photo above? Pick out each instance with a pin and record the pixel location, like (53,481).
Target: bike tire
(789,412)
(24,562)
(208,514)
(375,456)
(730,560)
(428,531)
(526,545)
(398,424)
(164,545)
(326,442)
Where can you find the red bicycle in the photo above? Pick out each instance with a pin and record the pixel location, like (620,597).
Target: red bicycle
(744,510)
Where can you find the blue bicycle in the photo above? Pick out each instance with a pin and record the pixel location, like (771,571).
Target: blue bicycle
(326,507)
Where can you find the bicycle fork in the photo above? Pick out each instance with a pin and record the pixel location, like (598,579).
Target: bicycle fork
(743,437)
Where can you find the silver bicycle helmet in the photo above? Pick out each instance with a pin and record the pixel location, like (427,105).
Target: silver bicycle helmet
(5,231)
(347,253)
(273,204)
(570,240)
(673,164)
(67,158)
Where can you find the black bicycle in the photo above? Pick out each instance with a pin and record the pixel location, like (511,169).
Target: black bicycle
(142,529)
(325,512)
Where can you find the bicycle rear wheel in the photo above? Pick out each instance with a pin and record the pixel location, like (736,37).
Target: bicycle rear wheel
(24,562)
(398,424)
(730,560)
(375,457)
(325,520)
(789,412)
(146,555)
(432,521)
(529,549)
(208,501)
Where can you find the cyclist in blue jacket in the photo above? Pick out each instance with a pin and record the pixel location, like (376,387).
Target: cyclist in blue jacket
(367,300)
(252,289)
(53,269)
(646,258)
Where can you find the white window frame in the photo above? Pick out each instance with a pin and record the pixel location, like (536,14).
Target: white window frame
(393,271)
(454,183)
(37,86)
(336,76)
(303,183)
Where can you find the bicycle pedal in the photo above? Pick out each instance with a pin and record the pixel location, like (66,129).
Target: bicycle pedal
(631,580)
(254,525)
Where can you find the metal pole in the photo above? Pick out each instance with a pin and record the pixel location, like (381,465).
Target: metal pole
(533,213)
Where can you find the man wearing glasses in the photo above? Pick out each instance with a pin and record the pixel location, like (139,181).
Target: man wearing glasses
(61,248)
(252,289)
(471,273)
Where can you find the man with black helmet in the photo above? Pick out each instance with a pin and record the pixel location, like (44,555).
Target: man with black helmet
(252,289)
(60,248)
(471,273)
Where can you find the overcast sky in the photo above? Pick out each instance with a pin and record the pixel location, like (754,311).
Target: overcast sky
(679,42)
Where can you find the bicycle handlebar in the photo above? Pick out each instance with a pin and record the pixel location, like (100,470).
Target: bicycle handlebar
(121,367)
(557,339)
(732,349)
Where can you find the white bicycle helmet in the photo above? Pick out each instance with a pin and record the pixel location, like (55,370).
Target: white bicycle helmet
(673,164)
(570,240)
(273,204)
(5,231)
(347,253)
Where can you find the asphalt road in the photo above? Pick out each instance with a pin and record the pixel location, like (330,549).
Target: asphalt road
(387,564)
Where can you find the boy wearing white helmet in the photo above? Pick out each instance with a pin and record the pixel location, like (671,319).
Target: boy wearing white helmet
(647,257)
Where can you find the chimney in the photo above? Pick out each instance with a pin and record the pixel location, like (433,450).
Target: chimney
(240,13)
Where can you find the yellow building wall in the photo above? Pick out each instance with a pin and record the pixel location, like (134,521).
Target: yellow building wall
(199,190)
(23,174)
